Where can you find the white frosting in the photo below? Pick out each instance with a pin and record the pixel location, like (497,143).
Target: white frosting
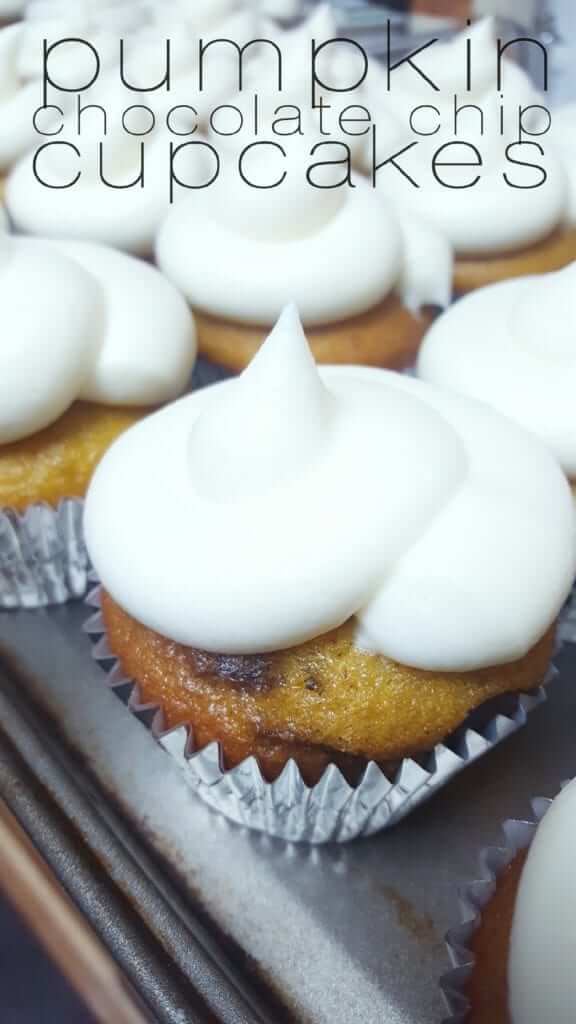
(512,345)
(256,249)
(270,243)
(541,967)
(126,218)
(328,494)
(492,216)
(82,321)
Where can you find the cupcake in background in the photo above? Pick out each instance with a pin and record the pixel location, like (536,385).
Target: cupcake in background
(21,64)
(92,339)
(111,183)
(497,231)
(328,569)
(513,345)
(515,957)
(365,282)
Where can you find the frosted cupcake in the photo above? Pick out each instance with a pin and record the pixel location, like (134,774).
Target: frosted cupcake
(519,949)
(341,566)
(497,231)
(512,345)
(363,280)
(91,340)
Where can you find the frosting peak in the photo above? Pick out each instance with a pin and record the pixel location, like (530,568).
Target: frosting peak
(280,396)
(334,493)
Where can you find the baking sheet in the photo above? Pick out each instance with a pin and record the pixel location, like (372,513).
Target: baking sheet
(337,935)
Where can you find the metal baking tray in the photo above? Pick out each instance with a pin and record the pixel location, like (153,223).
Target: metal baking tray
(214,924)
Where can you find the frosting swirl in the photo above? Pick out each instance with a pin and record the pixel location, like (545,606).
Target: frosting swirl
(512,345)
(329,494)
(268,243)
(491,216)
(541,964)
(101,327)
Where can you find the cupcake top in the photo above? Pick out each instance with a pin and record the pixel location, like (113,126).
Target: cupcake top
(512,345)
(289,500)
(491,216)
(541,968)
(335,251)
(80,321)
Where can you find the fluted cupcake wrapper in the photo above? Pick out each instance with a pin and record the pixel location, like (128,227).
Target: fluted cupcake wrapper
(332,810)
(43,558)
(473,898)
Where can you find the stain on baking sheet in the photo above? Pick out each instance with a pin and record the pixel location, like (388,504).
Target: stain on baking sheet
(420,926)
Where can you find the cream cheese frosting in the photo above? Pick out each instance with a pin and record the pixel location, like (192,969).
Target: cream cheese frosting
(541,966)
(512,345)
(84,322)
(335,251)
(491,216)
(331,493)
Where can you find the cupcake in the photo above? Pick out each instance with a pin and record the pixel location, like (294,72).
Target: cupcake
(516,955)
(92,339)
(365,282)
(512,345)
(327,570)
(502,218)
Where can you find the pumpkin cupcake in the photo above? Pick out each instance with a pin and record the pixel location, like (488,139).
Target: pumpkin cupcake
(501,196)
(92,340)
(328,570)
(515,956)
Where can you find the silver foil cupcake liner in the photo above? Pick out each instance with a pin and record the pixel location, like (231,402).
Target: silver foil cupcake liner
(473,898)
(43,558)
(332,810)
